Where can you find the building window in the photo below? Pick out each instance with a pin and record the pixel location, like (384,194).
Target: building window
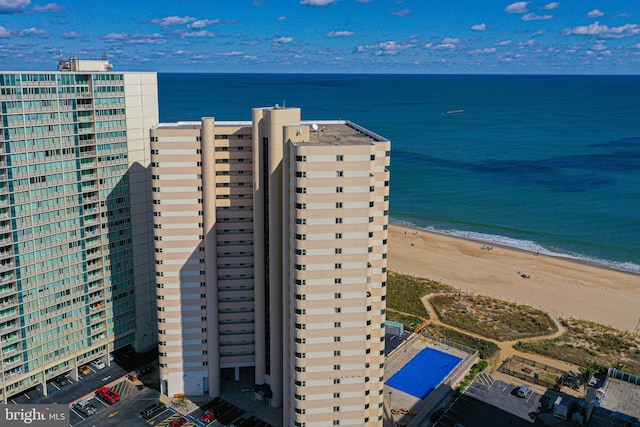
(336,380)
(339,189)
(337,310)
(338,220)
(336,409)
(339,173)
(337,281)
(373,157)
(338,250)
(301,206)
(302,190)
(336,324)
(336,367)
(338,205)
(338,235)
(301,158)
(339,158)
(337,339)
(336,352)
(301,174)
(337,266)
(336,395)
(337,295)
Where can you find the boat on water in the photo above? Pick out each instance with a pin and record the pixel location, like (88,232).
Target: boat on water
(454,112)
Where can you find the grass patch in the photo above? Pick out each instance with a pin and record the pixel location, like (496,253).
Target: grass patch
(587,341)
(492,318)
(486,349)
(404,293)
(410,322)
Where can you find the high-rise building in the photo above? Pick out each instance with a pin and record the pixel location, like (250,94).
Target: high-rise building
(270,247)
(76,241)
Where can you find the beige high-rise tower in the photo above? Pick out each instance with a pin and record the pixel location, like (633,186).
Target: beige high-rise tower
(271,242)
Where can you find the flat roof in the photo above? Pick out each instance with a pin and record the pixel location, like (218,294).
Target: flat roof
(622,396)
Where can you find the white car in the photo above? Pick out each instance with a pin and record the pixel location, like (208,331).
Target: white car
(98,364)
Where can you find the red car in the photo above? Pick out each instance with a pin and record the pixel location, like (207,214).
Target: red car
(108,395)
(178,423)
(208,416)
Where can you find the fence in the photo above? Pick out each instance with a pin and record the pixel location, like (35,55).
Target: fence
(504,368)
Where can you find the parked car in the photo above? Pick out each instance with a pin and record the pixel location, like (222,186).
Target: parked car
(84,370)
(178,423)
(524,391)
(98,364)
(61,381)
(108,394)
(152,410)
(144,371)
(208,416)
(84,407)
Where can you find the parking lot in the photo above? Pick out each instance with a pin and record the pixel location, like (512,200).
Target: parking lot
(134,377)
(487,403)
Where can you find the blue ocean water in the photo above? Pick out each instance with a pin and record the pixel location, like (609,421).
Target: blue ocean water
(543,163)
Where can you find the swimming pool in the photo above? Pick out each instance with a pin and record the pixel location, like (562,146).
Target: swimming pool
(424,372)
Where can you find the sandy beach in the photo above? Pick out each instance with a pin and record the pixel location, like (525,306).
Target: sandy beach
(559,286)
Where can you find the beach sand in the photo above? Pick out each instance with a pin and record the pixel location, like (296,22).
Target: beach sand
(561,287)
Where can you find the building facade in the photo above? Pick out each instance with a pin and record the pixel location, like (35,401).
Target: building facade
(76,241)
(270,245)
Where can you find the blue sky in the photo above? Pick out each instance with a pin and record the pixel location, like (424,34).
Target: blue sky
(341,36)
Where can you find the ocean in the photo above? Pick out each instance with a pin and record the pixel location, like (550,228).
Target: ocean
(543,163)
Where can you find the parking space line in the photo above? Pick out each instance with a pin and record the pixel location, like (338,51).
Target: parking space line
(27,396)
(75,412)
(14,402)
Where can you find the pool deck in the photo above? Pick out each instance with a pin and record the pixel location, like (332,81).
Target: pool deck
(395,398)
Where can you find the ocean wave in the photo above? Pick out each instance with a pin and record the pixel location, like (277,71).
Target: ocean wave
(525,245)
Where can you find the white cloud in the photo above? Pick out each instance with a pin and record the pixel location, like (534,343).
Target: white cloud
(401,13)
(49,7)
(386,48)
(32,32)
(134,38)
(517,7)
(316,2)
(70,35)
(479,27)
(533,17)
(283,40)
(282,18)
(201,23)
(203,33)
(599,46)
(444,46)
(603,30)
(450,40)
(172,20)
(340,34)
(551,6)
(504,43)
(484,51)
(595,13)
(4,33)
(232,53)
(13,6)
(527,43)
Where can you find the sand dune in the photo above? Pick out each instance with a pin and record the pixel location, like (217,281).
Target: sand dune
(561,287)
